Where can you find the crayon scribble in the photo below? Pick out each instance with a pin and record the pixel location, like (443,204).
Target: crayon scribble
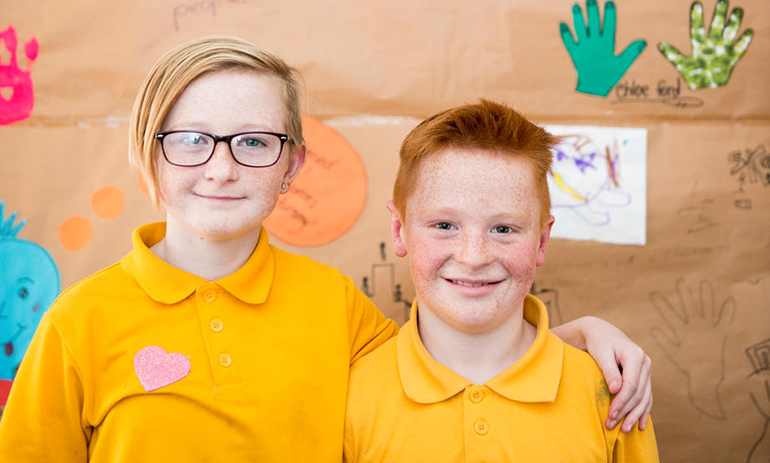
(586,179)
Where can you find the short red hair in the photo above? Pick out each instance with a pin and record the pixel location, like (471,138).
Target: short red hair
(485,125)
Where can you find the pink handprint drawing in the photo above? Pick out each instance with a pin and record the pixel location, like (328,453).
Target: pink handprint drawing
(17,97)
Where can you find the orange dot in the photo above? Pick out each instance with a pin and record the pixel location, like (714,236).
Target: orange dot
(328,196)
(75,233)
(108,202)
(142,185)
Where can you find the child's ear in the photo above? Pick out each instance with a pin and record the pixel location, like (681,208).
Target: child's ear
(297,160)
(545,235)
(396,230)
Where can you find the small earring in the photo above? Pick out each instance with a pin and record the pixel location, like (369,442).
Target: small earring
(283,186)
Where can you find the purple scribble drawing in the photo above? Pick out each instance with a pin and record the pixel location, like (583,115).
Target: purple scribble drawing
(17,97)
(585,179)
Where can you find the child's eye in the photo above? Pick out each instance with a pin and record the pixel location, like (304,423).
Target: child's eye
(503,229)
(444,226)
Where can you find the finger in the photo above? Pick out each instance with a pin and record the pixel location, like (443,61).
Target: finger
(580,25)
(680,291)
(741,46)
(673,55)
(610,18)
(567,38)
(629,55)
(726,312)
(666,312)
(718,21)
(632,381)
(638,416)
(645,417)
(610,370)
(664,340)
(706,303)
(697,31)
(594,22)
(733,24)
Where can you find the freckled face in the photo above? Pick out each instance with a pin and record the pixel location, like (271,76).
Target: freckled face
(473,237)
(222,199)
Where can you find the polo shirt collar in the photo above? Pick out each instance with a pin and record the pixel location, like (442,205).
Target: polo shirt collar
(533,378)
(167,284)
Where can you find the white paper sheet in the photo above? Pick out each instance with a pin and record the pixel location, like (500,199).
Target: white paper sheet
(598,184)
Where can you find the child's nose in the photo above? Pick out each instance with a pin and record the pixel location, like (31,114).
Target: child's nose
(222,165)
(474,250)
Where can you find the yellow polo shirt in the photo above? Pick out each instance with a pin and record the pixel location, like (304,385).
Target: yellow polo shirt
(143,362)
(550,406)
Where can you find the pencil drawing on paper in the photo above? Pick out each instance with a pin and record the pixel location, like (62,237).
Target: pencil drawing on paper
(693,337)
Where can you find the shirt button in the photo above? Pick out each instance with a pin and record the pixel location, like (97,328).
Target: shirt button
(477,396)
(481,427)
(216,325)
(209,296)
(225,360)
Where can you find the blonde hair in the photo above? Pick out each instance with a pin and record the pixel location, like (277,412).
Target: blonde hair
(486,125)
(174,71)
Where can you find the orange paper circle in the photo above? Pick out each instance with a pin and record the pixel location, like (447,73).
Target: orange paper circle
(75,233)
(328,196)
(108,202)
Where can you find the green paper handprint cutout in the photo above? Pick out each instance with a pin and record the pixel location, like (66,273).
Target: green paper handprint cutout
(714,55)
(593,53)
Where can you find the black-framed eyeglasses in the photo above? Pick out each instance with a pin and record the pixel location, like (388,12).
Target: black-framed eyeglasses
(187,148)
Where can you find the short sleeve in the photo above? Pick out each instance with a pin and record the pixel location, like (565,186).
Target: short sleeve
(636,446)
(43,419)
(368,328)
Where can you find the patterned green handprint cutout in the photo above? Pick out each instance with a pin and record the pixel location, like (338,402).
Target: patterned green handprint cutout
(714,55)
(593,53)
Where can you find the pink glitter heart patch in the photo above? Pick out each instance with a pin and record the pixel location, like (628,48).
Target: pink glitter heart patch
(155,368)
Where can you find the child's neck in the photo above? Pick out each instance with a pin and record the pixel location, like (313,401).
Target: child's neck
(206,258)
(477,357)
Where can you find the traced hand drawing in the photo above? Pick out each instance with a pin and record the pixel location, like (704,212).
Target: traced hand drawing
(694,338)
(592,49)
(714,55)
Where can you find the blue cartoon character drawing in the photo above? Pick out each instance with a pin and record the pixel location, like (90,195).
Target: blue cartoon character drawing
(29,283)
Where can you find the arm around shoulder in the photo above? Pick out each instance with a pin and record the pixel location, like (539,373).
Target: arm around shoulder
(44,420)
(368,328)
(614,352)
